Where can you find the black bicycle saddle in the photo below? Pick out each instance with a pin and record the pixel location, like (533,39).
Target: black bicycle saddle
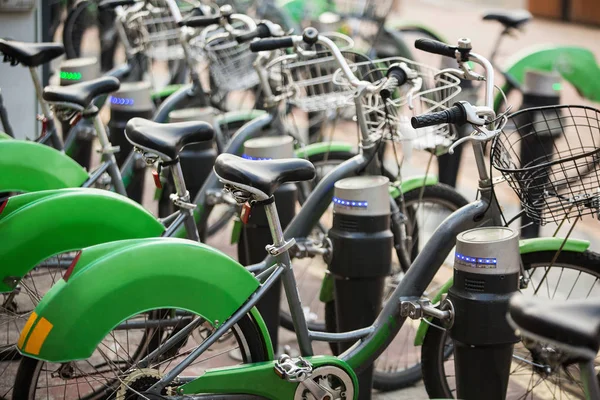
(510,19)
(575,323)
(31,54)
(81,93)
(264,175)
(166,140)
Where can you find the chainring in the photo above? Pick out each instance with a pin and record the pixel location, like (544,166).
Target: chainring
(333,379)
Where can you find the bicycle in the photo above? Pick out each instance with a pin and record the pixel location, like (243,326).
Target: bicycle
(237,290)
(570,330)
(544,125)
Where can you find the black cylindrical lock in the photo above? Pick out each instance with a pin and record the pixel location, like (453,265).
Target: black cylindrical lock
(486,274)
(131,100)
(540,88)
(362,256)
(256,234)
(73,71)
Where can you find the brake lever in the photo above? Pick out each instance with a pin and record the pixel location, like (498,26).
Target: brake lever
(417,84)
(480,134)
(451,71)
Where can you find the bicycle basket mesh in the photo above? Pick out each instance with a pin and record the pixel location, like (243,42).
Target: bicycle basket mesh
(154,30)
(391,117)
(230,62)
(307,81)
(550,158)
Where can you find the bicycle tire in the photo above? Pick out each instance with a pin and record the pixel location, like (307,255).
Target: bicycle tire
(246,333)
(434,378)
(386,379)
(78,20)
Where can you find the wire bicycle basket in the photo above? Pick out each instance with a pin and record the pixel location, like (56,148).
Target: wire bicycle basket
(390,115)
(550,157)
(230,62)
(306,80)
(154,30)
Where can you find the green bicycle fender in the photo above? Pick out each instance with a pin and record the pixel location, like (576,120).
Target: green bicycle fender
(14,203)
(258,379)
(236,116)
(552,243)
(322,148)
(525,246)
(297,9)
(401,25)
(30,166)
(5,136)
(413,183)
(326,290)
(165,92)
(138,276)
(576,64)
(55,223)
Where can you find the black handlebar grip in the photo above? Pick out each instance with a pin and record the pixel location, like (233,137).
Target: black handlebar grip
(435,47)
(395,71)
(261,31)
(272,44)
(454,115)
(200,21)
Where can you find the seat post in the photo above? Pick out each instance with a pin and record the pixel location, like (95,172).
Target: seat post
(183,198)
(56,140)
(109,156)
(274,224)
(39,91)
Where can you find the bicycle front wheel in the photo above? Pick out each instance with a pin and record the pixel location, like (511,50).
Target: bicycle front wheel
(537,370)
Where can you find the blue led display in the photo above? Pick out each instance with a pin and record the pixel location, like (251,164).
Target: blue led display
(247,157)
(350,203)
(476,260)
(121,101)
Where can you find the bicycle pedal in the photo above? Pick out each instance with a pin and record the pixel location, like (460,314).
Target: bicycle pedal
(295,369)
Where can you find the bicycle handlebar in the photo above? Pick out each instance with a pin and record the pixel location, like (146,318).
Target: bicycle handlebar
(435,47)
(201,21)
(454,115)
(311,36)
(272,44)
(262,31)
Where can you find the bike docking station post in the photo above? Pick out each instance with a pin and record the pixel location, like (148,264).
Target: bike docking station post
(73,71)
(131,100)
(196,159)
(540,88)
(486,274)
(255,234)
(361,259)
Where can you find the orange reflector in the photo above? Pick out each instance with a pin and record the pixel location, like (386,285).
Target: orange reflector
(26,329)
(156,177)
(38,336)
